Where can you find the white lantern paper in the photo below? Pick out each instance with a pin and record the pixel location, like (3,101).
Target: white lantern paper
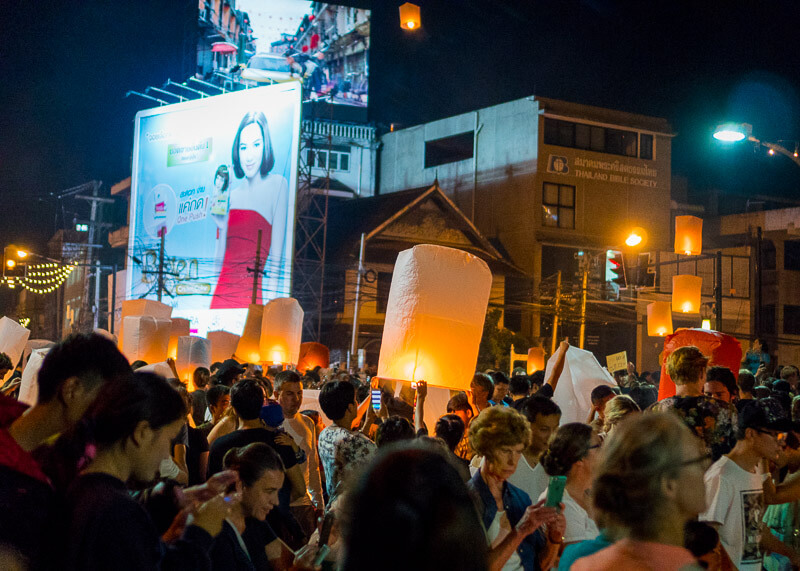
(281,330)
(180,328)
(247,350)
(581,374)
(145,338)
(434,317)
(13,338)
(131,307)
(32,345)
(223,345)
(193,352)
(29,385)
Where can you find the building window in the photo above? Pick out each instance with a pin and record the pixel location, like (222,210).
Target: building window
(791,255)
(339,160)
(646,146)
(449,149)
(768,319)
(558,205)
(791,319)
(384,285)
(598,139)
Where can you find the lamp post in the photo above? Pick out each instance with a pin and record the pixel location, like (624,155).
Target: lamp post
(737,132)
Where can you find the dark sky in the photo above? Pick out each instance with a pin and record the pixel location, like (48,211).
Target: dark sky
(65,67)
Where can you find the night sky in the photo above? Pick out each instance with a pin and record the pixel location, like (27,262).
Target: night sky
(66,66)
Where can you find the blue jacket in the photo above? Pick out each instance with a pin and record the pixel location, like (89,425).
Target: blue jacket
(515,502)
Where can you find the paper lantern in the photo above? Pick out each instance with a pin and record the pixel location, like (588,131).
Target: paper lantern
(29,384)
(281,330)
(410,16)
(724,350)
(149,307)
(313,355)
(223,345)
(688,235)
(145,338)
(434,318)
(247,350)
(535,359)
(580,375)
(192,352)
(180,328)
(13,338)
(659,319)
(107,334)
(686,293)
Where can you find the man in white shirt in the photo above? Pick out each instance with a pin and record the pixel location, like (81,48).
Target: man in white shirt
(289,393)
(735,487)
(544,416)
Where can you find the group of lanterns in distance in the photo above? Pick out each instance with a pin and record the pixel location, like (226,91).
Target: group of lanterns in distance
(686,289)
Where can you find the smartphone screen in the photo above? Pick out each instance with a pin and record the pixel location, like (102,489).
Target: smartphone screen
(555,491)
(376,399)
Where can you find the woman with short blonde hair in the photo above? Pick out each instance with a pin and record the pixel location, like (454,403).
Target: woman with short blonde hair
(617,409)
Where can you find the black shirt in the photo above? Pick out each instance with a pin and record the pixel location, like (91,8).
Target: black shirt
(239,438)
(227,553)
(257,535)
(198,445)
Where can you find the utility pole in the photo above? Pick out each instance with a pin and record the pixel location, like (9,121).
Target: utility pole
(584,290)
(555,315)
(759,299)
(256,270)
(354,338)
(161,263)
(718,291)
(96,311)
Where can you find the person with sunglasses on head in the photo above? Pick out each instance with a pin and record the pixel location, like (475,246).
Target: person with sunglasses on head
(735,486)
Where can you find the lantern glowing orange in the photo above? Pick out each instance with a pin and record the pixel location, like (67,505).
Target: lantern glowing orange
(247,350)
(223,345)
(688,235)
(145,338)
(659,319)
(410,16)
(193,352)
(281,330)
(180,328)
(431,333)
(535,360)
(313,355)
(686,294)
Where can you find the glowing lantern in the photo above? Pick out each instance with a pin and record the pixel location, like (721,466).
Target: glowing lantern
(223,345)
(659,319)
(13,338)
(688,235)
(313,355)
(131,307)
(29,386)
(686,294)
(145,338)
(431,332)
(247,350)
(281,330)
(535,360)
(410,16)
(193,352)
(180,328)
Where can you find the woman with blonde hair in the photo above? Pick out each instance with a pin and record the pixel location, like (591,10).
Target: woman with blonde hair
(520,535)
(618,409)
(649,483)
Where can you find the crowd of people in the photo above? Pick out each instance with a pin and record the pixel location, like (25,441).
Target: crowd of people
(117,468)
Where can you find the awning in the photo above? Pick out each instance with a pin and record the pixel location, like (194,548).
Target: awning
(224,48)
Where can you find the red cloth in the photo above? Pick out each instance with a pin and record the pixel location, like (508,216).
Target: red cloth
(11,454)
(723,349)
(235,284)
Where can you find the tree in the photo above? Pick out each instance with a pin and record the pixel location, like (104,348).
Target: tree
(495,347)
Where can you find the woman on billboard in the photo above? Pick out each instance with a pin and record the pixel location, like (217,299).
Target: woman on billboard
(259,202)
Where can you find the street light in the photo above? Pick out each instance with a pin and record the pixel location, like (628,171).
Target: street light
(736,132)
(637,237)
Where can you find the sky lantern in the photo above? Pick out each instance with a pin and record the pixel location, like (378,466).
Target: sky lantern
(192,352)
(13,338)
(180,328)
(131,307)
(535,360)
(247,350)
(410,16)
(688,235)
(659,319)
(146,338)
(686,293)
(313,355)
(434,316)
(223,345)
(281,330)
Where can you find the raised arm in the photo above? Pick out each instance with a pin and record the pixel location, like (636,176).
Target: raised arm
(419,410)
(558,367)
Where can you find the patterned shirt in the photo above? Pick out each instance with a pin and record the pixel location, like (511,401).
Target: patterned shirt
(713,420)
(340,452)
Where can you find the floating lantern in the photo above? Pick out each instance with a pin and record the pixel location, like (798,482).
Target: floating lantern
(223,345)
(247,350)
(535,360)
(432,332)
(686,294)
(13,338)
(659,319)
(145,338)
(410,16)
(313,355)
(180,328)
(688,235)
(281,330)
(192,352)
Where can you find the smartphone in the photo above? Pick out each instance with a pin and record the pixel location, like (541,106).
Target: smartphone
(376,399)
(324,535)
(555,491)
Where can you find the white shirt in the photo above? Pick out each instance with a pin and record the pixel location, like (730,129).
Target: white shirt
(301,429)
(580,526)
(736,502)
(497,532)
(531,480)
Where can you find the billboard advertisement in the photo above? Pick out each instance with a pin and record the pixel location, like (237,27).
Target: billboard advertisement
(217,178)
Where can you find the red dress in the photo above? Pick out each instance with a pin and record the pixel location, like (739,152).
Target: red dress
(235,283)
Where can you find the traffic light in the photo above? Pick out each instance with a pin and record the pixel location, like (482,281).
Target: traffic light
(615,269)
(14,263)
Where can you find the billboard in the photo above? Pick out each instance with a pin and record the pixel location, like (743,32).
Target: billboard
(212,176)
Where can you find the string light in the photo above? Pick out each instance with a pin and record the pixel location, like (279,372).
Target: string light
(43,278)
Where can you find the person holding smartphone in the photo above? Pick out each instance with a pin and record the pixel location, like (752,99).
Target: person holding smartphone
(520,535)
